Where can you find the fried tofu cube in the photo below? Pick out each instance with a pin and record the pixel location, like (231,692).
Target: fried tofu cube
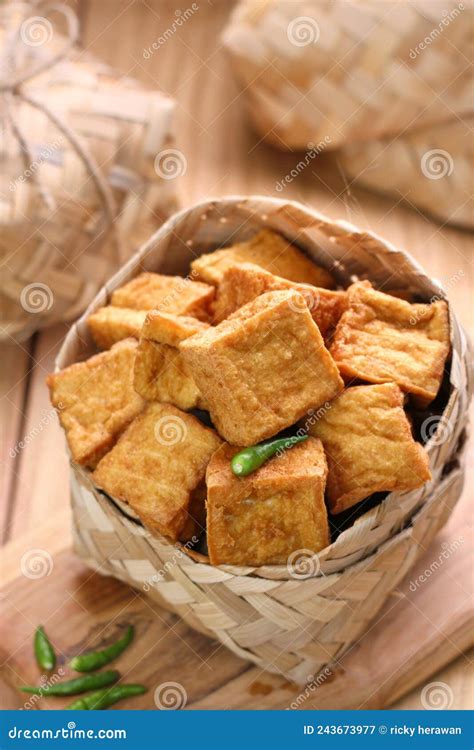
(369,445)
(161,374)
(260,370)
(158,467)
(170,294)
(111,324)
(262,518)
(383,339)
(96,401)
(242,282)
(270,251)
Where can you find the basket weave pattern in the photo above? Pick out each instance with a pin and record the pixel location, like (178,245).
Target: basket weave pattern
(78,188)
(287,625)
(360,78)
(447,195)
(291,627)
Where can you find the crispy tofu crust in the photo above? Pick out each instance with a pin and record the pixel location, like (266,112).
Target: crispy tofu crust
(161,374)
(261,519)
(111,324)
(270,251)
(242,282)
(369,445)
(381,339)
(171,294)
(158,467)
(165,328)
(260,370)
(96,401)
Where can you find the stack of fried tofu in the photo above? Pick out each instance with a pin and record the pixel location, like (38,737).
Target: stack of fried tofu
(254,341)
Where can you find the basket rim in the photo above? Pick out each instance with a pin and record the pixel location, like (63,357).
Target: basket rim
(206,205)
(235,571)
(209,203)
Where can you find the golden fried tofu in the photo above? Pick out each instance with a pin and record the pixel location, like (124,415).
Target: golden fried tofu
(170,329)
(111,324)
(96,401)
(161,374)
(369,445)
(268,250)
(158,467)
(260,370)
(242,282)
(170,294)
(382,339)
(262,518)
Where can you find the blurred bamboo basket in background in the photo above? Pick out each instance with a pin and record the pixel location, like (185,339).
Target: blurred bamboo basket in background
(289,622)
(436,180)
(83,176)
(386,86)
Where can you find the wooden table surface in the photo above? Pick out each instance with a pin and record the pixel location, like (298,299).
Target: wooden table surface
(223,157)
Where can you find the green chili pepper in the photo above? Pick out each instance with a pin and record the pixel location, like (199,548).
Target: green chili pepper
(104,698)
(76,686)
(44,652)
(250,459)
(95,659)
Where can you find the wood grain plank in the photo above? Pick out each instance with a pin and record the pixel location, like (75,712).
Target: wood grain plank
(14,381)
(42,472)
(459,676)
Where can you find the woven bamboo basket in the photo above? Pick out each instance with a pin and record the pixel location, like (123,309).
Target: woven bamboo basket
(429,168)
(84,177)
(352,71)
(286,622)
(385,85)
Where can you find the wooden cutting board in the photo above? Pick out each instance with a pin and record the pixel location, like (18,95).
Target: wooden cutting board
(423,626)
